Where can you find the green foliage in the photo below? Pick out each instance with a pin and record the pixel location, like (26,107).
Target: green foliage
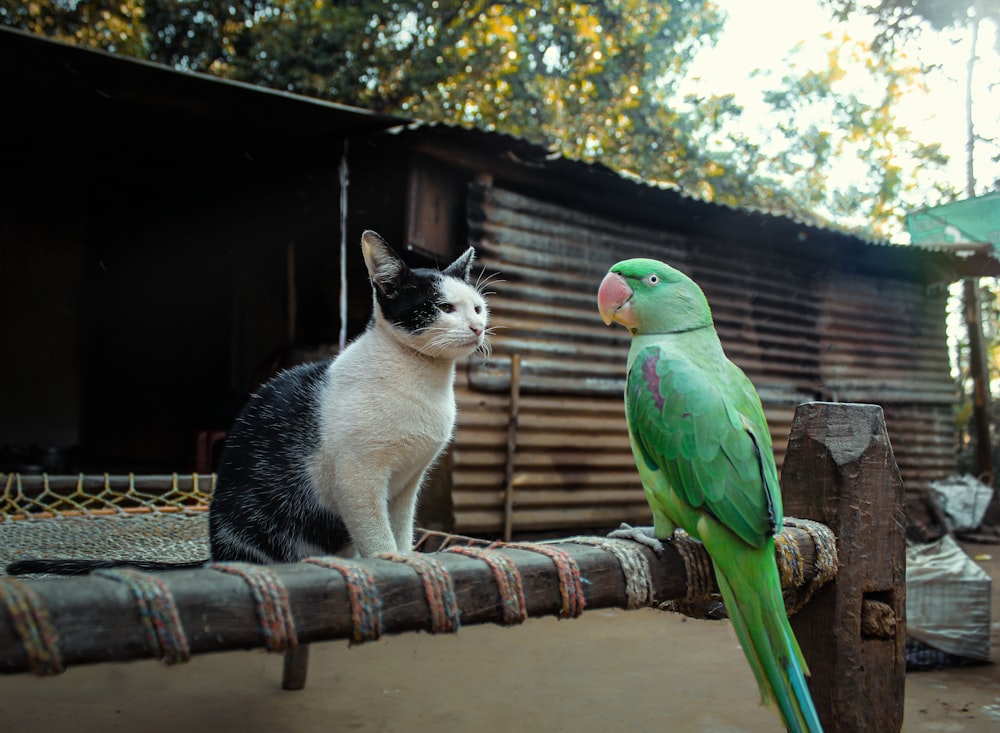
(202,35)
(111,25)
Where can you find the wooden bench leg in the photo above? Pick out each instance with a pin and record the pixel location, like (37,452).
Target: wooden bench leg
(296,668)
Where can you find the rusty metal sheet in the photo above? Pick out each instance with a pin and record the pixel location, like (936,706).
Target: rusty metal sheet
(800,331)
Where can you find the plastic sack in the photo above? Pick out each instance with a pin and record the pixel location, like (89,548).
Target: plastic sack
(963,499)
(947,600)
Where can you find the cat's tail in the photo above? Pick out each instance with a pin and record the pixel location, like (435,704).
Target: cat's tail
(63,566)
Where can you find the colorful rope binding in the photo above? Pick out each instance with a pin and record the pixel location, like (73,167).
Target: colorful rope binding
(439,590)
(157,611)
(634,565)
(512,606)
(697,566)
(32,623)
(274,612)
(366,604)
(570,582)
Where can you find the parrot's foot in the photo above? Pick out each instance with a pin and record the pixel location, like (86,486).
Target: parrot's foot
(642,535)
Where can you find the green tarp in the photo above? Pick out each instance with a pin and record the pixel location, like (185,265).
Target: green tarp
(972,220)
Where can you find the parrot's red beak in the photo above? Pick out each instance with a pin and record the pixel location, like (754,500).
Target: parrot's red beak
(614,300)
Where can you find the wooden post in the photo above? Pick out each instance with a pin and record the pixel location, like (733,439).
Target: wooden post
(512,425)
(840,470)
(979,370)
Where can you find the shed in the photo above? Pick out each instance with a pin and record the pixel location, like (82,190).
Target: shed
(808,312)
(170,235)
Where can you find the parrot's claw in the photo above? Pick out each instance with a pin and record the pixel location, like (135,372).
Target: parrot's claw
(642,535)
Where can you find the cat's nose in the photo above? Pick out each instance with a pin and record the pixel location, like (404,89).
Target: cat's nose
(476,329)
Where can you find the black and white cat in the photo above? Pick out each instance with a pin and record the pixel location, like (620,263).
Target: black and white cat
(329,457)
(326,456)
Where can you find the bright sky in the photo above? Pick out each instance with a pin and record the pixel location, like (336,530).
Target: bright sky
(763,35)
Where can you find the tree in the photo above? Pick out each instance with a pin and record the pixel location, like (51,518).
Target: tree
(590,80)
(976,357)
(899,20)
(110,25)
(846,111)
(210,36)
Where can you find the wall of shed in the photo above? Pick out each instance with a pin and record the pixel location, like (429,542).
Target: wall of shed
(883,342)
(800,328)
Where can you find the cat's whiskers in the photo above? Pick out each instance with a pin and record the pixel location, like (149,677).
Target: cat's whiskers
(485,348)
(492,279)
(442,339)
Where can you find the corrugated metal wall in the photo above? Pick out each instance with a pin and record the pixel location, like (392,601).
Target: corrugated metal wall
(572,466)
(883,341)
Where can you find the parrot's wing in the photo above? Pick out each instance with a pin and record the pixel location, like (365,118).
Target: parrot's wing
(704,429)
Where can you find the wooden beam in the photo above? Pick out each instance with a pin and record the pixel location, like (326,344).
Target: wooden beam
(96,619)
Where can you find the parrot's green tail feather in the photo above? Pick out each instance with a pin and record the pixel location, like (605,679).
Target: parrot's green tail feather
(758,614)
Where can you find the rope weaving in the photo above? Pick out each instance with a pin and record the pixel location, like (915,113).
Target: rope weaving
(634,565)
(570,583)
(366,604)
(439,590)
(31,622)
(157,611)
(274,613)
(508,580)
(32,496)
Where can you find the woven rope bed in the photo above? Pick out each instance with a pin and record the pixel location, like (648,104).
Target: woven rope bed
(54,622)
(128,517)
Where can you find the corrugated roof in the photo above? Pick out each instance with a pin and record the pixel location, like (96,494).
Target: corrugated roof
(598,185)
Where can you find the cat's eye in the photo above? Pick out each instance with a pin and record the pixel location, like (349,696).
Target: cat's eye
(447,307)
(479,309)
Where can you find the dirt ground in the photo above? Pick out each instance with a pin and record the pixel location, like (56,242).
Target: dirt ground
(605,671)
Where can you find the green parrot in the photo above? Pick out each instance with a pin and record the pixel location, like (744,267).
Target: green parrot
(703,451)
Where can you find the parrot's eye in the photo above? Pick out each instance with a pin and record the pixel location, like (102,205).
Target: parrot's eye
(653,279)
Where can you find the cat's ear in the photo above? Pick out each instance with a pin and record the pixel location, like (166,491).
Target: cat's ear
(385,268)
(462,267)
